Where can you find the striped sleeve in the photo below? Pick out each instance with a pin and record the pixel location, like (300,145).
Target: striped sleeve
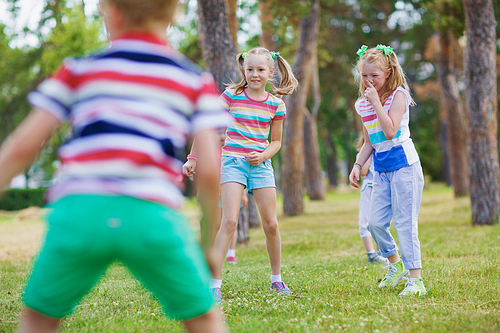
(55,94)
(209,114)
(225,98)
(281,111)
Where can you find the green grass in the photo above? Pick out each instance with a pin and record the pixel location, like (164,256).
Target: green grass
(325,266)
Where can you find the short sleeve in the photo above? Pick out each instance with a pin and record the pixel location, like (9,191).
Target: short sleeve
(209,113)
(55,94)
(280,111)
(225,98)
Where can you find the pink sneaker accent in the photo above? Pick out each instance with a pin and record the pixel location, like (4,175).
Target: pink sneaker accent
(231,260)
(281,288)
(216,294)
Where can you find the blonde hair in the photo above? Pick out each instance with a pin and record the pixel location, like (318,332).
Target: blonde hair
(396,78)
(140,12)
(359,142)
(288,81)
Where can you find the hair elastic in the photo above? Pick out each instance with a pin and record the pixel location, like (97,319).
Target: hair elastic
(386,49)
(274,54)
(243,55)
(362,51)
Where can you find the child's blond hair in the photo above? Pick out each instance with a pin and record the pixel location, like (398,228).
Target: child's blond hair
(396,78)
(139,12)
(288,81)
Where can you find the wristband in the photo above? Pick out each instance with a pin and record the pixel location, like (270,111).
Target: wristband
(360,166)
(192,157)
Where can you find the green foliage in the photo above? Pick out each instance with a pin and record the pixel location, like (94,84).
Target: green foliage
(324,264)
(75,36)
(16,199)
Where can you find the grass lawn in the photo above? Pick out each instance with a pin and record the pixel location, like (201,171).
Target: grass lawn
(323,264)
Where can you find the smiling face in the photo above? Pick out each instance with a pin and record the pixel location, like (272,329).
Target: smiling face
(257,71)
(373,74)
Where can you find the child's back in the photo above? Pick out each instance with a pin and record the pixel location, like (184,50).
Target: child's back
(131,109)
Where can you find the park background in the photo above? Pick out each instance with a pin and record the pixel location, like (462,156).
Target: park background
(319,214)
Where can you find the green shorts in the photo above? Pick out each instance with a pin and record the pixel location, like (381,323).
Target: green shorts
(86,233)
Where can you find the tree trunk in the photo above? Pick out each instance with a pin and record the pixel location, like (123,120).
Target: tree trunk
(481,95)
(219,52)
(313,173)
(253,213)
(267,22)
(331,162)
(234,24)
(292,168)
(456,123)
(219,56)
(443,137)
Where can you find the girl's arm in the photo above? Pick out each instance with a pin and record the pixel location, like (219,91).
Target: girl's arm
(364,154)
(366,167)
(255,158)
(23,145)
(388,122)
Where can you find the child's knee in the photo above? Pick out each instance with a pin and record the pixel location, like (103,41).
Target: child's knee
(271,228)
(230,224)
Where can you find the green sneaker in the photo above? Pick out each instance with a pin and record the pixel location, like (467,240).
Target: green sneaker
(413,287)
(396,272)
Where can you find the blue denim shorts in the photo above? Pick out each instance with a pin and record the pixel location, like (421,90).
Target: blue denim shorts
(237,170)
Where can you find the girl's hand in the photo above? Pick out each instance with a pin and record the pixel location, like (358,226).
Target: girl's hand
(371,93)
(189,167)
(255,158)
(354,176)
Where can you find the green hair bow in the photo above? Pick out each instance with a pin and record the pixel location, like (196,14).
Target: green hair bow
(362,51)
(387,49)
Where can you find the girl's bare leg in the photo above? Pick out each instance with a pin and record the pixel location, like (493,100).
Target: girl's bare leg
(265,198)
(231,198)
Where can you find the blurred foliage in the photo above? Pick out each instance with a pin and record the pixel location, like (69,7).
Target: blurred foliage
(17,199)
(407,25)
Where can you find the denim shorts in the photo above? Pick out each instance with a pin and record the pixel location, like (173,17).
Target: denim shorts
(237,170)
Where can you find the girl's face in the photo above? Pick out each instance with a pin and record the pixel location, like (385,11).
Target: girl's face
(377,77)
(257,71)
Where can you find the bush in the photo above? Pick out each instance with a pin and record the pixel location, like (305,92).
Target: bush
(16,199)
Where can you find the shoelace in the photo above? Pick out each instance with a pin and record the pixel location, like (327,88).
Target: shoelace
(410,284)
(392,271)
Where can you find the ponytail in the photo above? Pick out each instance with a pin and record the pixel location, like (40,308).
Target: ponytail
(288,81)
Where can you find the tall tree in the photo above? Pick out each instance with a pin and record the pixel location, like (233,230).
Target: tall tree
(219,52)
(481,95)
(456,122)
(292,169)
(315,188)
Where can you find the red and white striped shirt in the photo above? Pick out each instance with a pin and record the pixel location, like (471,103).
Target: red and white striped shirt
(132,108)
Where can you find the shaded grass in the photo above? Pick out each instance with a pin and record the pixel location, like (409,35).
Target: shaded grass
(325,266)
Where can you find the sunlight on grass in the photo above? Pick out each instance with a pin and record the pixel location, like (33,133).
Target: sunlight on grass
(323,264)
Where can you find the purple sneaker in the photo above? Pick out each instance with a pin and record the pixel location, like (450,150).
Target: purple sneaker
(281,288)
(216,294)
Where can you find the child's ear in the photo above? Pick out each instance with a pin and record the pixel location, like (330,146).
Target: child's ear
(271,72)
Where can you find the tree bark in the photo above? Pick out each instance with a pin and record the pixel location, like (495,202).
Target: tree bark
(234,24)
(481,95)
(313,173)
(292,168)
(331,162)
(219,52)
(456,123)
(266,20)
(219,56)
